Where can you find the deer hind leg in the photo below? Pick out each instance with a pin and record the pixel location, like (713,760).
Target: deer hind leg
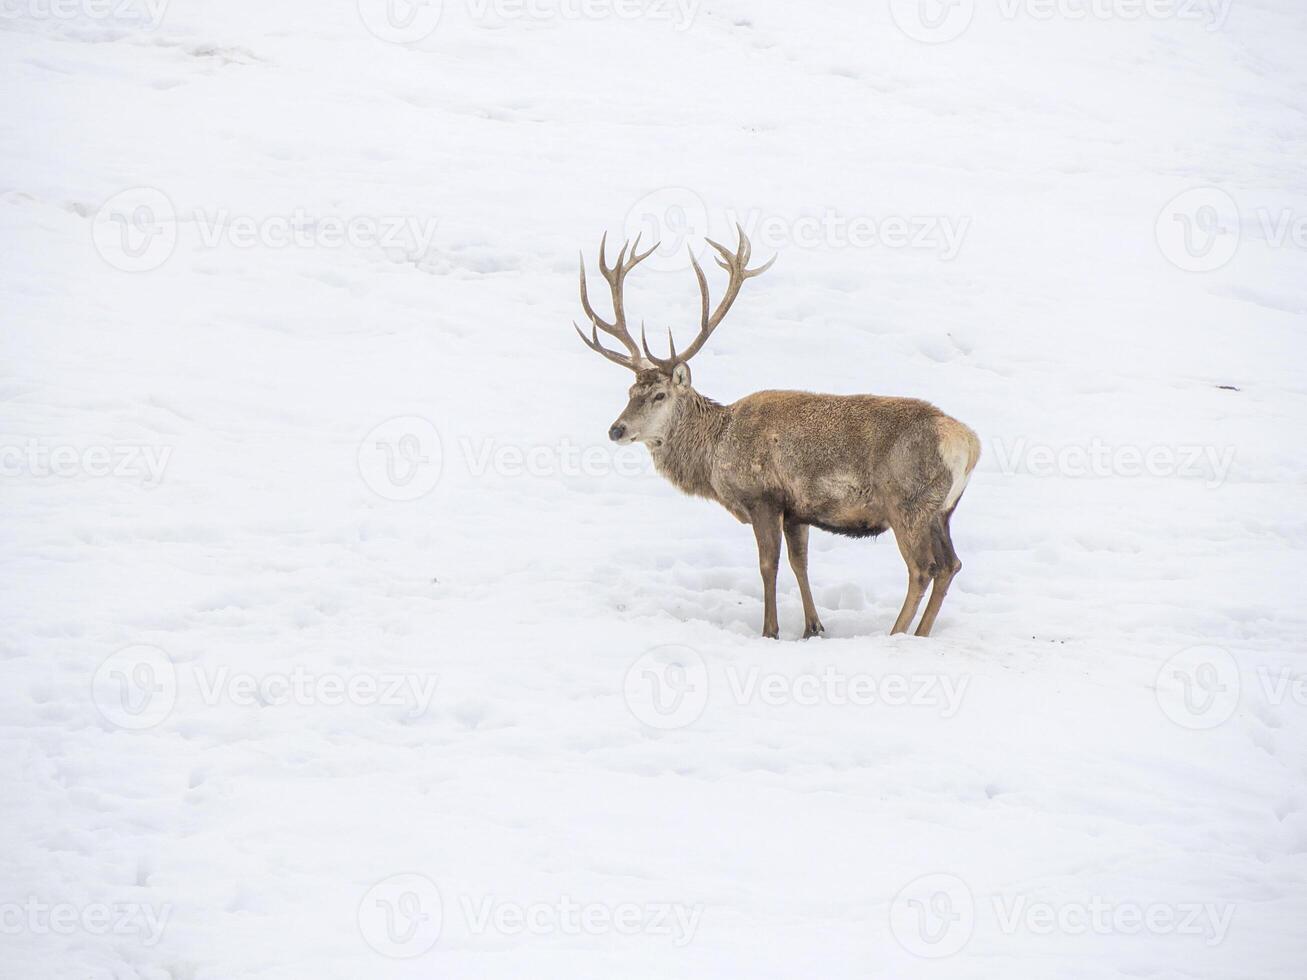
(915,546)
(767,529)
(945,566)
(796,543)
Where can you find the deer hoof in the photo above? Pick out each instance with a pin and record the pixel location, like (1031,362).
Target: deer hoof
(813,629)
(774,633)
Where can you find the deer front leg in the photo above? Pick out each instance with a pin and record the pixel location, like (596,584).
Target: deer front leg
(767,529)
(796,543)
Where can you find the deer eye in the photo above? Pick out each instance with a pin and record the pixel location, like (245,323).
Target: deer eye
(660,396)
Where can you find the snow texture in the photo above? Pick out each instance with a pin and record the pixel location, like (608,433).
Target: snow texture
(337,641)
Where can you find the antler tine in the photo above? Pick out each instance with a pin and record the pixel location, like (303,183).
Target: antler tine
(736,265)
(628,257)
(585,302)
(750,273)
(637,256)
(593,343)
(664,364)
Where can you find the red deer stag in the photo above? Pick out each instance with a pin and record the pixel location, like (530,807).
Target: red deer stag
(787,460)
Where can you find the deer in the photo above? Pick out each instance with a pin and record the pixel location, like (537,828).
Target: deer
(786,461)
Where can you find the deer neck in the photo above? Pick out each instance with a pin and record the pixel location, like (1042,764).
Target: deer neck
(686,455)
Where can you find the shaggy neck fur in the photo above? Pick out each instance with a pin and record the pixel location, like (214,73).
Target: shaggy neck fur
(686,455)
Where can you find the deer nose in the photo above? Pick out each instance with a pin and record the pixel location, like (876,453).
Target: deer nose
(617,431)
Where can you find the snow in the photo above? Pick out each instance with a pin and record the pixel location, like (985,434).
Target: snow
(338,641)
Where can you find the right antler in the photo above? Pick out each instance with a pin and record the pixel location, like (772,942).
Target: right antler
(736,265)
(616,278)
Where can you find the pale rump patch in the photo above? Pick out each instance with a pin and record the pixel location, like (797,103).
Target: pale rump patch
(959,448)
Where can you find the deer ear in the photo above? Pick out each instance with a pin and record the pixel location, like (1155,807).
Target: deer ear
(681,375)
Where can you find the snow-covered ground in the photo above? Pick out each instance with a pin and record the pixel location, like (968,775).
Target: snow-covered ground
(337,640)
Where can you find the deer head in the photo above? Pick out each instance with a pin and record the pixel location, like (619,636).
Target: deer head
(661,384)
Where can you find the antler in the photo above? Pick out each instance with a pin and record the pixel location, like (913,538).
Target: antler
(736,265)
(616,278)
